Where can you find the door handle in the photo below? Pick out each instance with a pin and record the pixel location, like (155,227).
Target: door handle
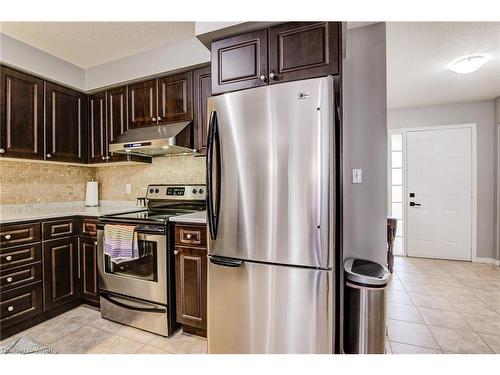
(213,210)
(226,262)
(412,204)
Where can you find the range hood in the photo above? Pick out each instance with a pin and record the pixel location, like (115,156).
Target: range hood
(151,141)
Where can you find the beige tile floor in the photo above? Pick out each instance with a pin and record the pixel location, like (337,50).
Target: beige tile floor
(434,306)
(440,306)
(82,330)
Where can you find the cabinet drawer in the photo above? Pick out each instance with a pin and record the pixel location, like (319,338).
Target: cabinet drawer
(191,235)
(20,276)
(20,304)
(20,255)
(58,229)
(17,234)
(88,227)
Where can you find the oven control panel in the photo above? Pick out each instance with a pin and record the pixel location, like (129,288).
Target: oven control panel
(176,192)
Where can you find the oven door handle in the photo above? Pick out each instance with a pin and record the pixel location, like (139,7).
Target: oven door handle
(134,306)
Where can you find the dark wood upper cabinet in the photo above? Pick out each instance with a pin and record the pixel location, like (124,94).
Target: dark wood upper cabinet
(98,145)
(60,262)
(175,97)
(65,124)
(239,62)
(302,50)
(21,115)
(88,261)
(202,90)
(142,104)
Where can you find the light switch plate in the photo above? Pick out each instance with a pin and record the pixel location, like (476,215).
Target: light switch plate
(128,189)
(357,176)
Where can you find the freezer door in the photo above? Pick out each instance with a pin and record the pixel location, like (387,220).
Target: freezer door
(269,174)
(261,308)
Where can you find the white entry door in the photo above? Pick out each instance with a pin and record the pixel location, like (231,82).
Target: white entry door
(439,193)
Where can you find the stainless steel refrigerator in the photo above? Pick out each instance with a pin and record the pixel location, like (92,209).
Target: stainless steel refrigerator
(270,182)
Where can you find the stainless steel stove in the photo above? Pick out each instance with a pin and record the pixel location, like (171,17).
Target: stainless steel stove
(141,293)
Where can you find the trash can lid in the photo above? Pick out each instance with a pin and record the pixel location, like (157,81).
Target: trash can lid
(366,272)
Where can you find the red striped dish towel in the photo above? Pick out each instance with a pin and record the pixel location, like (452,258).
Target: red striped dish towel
(120,243)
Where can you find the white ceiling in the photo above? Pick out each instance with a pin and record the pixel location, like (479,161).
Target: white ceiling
(87,44)
(418,54)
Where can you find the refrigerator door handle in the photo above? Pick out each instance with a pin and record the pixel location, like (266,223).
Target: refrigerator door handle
(213,209)
(226,262)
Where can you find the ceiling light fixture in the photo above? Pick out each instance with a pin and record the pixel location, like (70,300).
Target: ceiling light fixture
(468,64)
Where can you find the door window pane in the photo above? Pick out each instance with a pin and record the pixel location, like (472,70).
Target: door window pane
(397,177)
(397,159)
(396,142)
(397,210)
(397,194)
(399,228)
(398,246)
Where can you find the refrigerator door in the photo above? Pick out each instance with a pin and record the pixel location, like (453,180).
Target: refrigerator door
(262,308)
(269,174)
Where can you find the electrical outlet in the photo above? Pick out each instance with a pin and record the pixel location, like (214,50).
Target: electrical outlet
(128,189)
(357,176)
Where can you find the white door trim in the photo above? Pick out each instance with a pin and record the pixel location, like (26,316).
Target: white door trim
(473,128)
(497,244)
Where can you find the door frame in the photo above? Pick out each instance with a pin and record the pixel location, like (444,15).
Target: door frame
(404,132)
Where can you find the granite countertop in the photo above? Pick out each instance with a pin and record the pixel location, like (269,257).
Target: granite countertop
(39,211)
(193,218)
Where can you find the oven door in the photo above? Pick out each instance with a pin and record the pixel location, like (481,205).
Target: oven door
(144,278)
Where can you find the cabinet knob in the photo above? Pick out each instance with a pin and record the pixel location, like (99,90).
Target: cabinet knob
(159,118)
(154,119)
(107,157)
(8,258)
(104,158)
(95,243)
(189,236)
(8,236)
(176,252)
(2,151)
(262,77)
(273,76)
(49,156)
(9,279)
(10,308)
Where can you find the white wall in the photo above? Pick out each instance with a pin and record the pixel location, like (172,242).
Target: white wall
(18,54)
(481,113)
(170,57)
(166,58)
(497,179)
(365,143)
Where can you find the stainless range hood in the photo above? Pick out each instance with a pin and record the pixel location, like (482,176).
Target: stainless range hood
(151,141)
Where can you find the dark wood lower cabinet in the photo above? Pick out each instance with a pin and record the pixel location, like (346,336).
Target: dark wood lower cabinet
(88,268)
(20,304)
(191,288)
(61,271)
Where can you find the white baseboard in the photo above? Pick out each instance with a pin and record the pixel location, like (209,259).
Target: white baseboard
(487,260)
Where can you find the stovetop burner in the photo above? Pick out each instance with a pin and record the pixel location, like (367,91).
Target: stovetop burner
(163,202)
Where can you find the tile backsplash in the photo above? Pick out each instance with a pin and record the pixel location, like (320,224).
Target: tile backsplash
(29,182)
(32,182)
(163,170)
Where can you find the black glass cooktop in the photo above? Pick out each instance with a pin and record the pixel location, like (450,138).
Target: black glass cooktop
(148,215)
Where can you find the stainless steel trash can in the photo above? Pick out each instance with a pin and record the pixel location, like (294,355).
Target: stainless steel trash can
(365,306)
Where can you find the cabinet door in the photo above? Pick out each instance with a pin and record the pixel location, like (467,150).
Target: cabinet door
(175,98)
(65,124)
(88,271)
(117,123)
(60,276)
(142,104)
(191,285)
(302,50)
(97,128)
(202,91)
(239,62)
(21,115)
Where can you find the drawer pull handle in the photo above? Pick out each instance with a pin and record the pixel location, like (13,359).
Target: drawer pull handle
(10,308)
(95,243)
(189,236)
(8,236)
(176,252)
(8,258)
(9,279)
